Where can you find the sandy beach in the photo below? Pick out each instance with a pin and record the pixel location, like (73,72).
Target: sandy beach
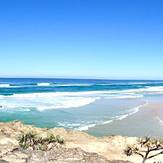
(147,122)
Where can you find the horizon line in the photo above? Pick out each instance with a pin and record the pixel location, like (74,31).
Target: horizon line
(78,78)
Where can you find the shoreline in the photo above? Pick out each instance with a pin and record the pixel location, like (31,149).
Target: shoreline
(144,119)
(129,113)
(148,121)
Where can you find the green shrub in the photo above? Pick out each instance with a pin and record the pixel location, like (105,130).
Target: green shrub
(27,140)
(35,142)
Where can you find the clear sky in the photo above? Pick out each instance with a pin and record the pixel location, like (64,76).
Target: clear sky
(120,39)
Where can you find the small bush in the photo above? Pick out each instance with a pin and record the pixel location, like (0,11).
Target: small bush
(27,140)
(59,139)
(35,142)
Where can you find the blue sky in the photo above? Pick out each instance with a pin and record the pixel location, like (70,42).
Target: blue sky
(82,38)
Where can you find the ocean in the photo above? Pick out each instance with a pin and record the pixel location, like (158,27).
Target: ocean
(79,104)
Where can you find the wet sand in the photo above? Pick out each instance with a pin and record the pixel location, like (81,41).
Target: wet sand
(147,122)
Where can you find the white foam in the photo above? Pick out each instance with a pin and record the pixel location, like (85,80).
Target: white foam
(57,100)
(10,86)
(132,111)
(69,85)
(69,125)
(43,84)
(68,103)
(146,90)
(107,122)
(13,109)
(4,85)
(121,117)
(160,120)
(62,85)
(86,127)
(43,101)
(83,126)
(155,89)
(77,126)
(124,96)
(125,115)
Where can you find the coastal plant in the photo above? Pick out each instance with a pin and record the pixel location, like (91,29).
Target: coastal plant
(36,142)
(147,148)
(60,140)
(27,140)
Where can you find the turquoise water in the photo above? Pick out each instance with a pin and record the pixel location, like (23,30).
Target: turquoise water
(73,103)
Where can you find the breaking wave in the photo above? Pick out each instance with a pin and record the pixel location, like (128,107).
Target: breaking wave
(57,100)
(44,101)
(4,85)
(85,126)
(43,84)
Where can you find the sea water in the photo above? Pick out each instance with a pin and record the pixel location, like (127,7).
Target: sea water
(73,103)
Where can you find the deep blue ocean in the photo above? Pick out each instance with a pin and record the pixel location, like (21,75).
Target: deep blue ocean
(10,86)
(73,103)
